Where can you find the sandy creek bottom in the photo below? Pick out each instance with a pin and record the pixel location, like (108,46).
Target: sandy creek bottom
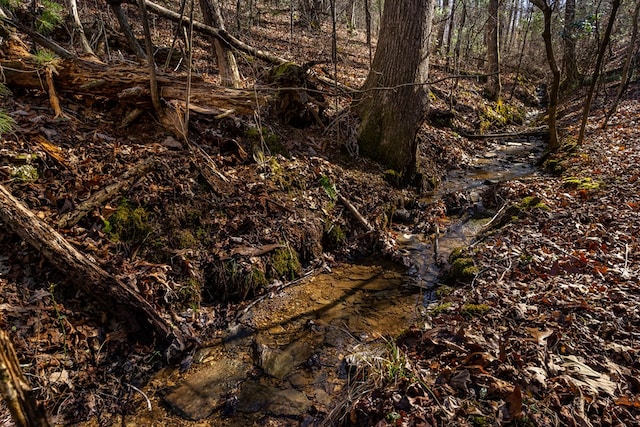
(283,361)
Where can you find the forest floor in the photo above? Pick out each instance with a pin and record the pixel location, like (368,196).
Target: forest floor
(545,333)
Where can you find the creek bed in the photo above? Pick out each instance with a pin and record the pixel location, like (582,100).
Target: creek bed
(284,361)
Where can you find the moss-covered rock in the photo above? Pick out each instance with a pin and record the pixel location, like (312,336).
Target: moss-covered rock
(128,224)
(462,267)
(285,264)
(581,183)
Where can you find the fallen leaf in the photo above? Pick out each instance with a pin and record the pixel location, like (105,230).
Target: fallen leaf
(539,336)
(514,403)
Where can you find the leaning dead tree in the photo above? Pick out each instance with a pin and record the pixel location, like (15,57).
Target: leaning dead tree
(113,294)
(15,389)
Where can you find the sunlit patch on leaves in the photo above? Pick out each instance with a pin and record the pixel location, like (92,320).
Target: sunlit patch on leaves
(24,173)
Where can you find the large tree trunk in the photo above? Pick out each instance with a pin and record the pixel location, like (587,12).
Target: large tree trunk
(394,96)
(494,86)
(552,110)
(227,64)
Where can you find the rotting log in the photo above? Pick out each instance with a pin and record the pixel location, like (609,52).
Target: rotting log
(113,294)
(129,84)
(15,389)
(99,197)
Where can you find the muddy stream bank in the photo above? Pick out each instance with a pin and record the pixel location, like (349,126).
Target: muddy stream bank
(288,358)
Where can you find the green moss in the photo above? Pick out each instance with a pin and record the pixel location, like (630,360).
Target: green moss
(463,270)
(440,308)
(185,239)
(554,166)
(233,280)
(455,254)
(271,140)
(471,310)
(189,294)
(577,183)
(25,173)
(479,421)
(285,264)
(499,115)
(531,202)
(443,291)
(333,236)
(128,223)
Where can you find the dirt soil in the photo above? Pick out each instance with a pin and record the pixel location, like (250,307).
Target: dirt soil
(559,284)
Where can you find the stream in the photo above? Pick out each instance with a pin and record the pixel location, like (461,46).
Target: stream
(288,358)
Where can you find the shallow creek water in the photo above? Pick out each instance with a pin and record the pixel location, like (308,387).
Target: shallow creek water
(285,357)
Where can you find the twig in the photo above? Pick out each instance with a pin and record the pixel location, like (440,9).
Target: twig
(143,394)
(127,178)
(355,213)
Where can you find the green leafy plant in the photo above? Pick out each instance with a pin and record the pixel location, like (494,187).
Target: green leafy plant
(7,124)
(329,187)
(51,17)
(45,57)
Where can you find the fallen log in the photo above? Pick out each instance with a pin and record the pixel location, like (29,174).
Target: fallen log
(129,84)
(113,294)
(15,389)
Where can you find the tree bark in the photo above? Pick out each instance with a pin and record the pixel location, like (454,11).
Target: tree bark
(442,28)
(394,96)
(227,64)
(15,389)
(113,294)
(494,86)
(569,62)
(552,110)
(79,29)
(116,8)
